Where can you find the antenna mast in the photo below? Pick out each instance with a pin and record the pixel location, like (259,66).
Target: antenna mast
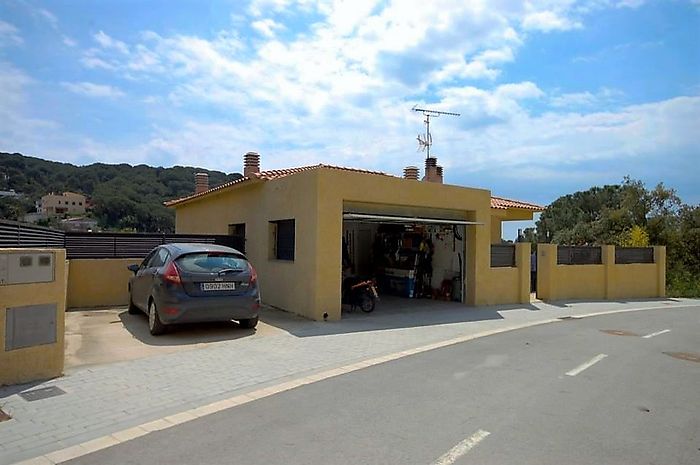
(426,140)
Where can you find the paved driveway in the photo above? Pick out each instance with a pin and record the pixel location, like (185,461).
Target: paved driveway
(100,336)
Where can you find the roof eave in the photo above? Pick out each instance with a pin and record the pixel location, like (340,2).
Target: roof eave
(246,181)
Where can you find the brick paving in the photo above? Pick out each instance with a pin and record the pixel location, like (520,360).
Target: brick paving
(102,399)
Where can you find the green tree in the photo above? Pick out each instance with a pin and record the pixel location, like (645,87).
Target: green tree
(629,214)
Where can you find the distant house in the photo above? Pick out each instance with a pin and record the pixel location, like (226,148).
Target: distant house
(69,203)
(11,193)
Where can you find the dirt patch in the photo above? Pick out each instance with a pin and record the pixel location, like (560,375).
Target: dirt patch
(684,356)
(618,332)
(4,416)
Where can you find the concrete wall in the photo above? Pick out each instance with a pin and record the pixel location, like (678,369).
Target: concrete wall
(605,281)
(99,282)
(290,285)
(41,361)
(510,285)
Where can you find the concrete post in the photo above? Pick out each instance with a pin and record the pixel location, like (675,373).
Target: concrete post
(522,263)
(608,259)
(660,262)
(546,271)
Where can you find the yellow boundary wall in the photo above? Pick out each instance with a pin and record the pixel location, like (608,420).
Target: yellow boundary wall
(607,281)
(510,285)
(40,361)
(99,282)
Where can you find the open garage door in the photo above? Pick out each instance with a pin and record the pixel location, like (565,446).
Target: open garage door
(420,258)
(390,219)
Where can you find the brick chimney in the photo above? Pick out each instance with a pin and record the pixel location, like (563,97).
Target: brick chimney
(251,163)
(433,172)
(201,182)
(411,172)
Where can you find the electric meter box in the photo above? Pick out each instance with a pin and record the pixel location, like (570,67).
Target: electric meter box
(26,267)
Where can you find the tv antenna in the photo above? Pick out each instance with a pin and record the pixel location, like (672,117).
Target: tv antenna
(426,140)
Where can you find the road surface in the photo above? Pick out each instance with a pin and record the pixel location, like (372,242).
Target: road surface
(600,390)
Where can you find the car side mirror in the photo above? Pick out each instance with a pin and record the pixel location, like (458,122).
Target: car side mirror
(133,268)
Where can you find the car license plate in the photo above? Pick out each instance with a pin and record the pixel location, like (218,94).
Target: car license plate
(218,286)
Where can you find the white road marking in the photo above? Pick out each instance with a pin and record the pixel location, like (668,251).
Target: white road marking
(451,456)
(656,333)
(588,364)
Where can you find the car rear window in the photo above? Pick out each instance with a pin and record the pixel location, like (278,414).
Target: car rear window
(207,262)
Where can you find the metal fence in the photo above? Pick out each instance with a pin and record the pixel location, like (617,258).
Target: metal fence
(579,255)
(14,234)
(627,255)
(502,255)
(102,245)
(126,245)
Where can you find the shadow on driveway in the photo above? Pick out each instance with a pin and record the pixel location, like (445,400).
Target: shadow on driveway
(396,312)
(391,313)
(184,334)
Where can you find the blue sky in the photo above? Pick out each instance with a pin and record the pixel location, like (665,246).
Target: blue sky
(555,95)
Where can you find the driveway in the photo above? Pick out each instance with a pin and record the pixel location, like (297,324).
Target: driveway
(100,336)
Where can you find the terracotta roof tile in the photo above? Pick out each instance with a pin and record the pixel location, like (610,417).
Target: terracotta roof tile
(269,176)
(501,203)
(496,202)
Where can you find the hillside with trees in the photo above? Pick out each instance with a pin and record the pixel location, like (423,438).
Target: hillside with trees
(124,197)
(629,214)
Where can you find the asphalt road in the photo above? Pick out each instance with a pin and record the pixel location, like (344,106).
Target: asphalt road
(501,399)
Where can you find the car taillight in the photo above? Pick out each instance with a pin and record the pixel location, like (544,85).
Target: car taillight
(171,274)
(253,275)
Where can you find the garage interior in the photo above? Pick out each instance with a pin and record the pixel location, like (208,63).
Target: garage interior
(410,257)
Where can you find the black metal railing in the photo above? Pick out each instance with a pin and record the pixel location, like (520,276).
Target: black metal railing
(502,255)
(579,255)
(126,245)
(627,255)
(102,245)
(14,234)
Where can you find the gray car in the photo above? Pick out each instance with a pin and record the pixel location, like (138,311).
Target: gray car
(186,283)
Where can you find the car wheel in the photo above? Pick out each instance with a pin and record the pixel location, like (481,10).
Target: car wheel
(154,324)
(133,309)
(248,323)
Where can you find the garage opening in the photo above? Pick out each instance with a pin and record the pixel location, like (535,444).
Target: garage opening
(409,257)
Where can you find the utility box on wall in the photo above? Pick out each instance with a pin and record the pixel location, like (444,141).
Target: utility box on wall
(32,314)
(26,267)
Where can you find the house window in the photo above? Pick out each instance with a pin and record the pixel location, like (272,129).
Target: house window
(237,239)
(237,229)
(282,239)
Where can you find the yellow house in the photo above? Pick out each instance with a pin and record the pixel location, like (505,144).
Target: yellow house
(301,224)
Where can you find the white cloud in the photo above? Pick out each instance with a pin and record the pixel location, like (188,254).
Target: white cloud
(266,27)
(67,41)
(90,89)
(109,43)
(548,21)
(9,35)
(585,99)
(48,17)
(575,99)
(496,56)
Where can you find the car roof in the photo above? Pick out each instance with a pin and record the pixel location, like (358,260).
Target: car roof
(182,248)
